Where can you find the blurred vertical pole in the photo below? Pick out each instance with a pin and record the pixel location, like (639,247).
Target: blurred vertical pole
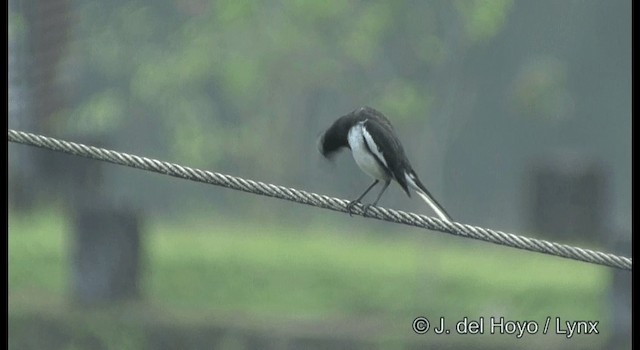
(620,296)
(21,159)
(567,198)
(47,24)
(568,201)
(37,47)
(106,255)
(106,236)
(107,244)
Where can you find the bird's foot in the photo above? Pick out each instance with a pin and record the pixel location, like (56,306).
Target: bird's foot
(351,205)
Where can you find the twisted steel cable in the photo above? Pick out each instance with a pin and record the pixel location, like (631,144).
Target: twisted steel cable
(322,201)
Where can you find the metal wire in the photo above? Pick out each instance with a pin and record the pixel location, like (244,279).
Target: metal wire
(316,200)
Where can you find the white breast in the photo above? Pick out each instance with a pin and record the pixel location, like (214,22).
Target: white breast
(357,137)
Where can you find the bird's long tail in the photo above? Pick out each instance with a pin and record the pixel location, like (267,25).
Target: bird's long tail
(434,205)
(415,183)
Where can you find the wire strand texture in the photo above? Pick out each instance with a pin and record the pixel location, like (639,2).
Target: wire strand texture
(322,201)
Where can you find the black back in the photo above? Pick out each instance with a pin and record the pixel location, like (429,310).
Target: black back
(382,132)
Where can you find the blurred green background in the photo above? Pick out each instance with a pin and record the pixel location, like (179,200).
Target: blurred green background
(487,97)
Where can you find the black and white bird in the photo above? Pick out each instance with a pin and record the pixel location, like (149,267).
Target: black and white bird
(377,151)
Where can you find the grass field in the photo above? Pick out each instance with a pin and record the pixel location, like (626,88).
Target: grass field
(316,272)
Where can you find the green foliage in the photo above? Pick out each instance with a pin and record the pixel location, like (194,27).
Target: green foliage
(540,90)
(404,100)
(245,272)
(102,113)
(312,272)
(37,253)
(483,19)
(204,72)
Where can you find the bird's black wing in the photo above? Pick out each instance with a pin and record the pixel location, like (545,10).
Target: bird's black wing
(385,145)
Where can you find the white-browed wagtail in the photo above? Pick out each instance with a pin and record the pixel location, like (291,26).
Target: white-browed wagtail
(377,151)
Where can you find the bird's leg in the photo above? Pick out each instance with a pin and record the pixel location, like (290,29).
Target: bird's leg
(353,202)
(384,187)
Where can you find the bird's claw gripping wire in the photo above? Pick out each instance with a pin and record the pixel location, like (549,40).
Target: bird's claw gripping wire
(353,203)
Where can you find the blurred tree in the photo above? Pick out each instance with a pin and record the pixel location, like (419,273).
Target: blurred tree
(38,40)
(218,83)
